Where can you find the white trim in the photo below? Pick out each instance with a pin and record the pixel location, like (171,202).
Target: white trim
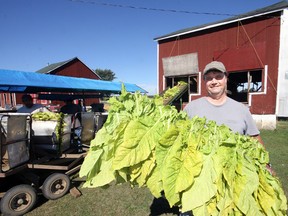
(264,92)
(282,82)
(200,83)
(199,87)
(157,90)
(164,83)
(266,78)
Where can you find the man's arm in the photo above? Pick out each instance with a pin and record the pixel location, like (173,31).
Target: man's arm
(268,166)
(258,137)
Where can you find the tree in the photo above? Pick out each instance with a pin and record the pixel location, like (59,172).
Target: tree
(106,74)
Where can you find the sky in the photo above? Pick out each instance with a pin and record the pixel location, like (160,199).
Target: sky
(118,35)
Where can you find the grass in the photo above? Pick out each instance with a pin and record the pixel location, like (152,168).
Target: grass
(277,145)
(116,200)
(124,201)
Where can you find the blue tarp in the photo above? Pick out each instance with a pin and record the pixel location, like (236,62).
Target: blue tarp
(32,82)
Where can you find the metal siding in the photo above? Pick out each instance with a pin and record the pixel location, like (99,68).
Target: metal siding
(207,43)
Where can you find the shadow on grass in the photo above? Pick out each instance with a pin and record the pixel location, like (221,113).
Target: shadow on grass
(41,200)
(161,206)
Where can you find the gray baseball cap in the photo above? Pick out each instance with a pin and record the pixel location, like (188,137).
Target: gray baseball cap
(214,65)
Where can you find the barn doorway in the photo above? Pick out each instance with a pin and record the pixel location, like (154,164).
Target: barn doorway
(240,84)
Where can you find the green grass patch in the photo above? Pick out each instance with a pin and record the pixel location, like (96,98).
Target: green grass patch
(276,143)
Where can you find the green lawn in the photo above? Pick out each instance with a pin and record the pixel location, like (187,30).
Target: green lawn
(276,143)
(124,201)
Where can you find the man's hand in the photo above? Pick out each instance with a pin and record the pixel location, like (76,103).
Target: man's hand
(269,168)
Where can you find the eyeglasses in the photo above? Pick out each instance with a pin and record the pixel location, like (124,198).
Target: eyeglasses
(218,76)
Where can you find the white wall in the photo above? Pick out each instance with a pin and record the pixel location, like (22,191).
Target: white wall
(282,92)
(267,122)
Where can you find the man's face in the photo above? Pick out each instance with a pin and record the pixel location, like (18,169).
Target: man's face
(215,82)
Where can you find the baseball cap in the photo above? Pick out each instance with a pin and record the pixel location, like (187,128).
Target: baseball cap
(214,65)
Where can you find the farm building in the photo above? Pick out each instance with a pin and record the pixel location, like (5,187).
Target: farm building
(253,47)
(73,67)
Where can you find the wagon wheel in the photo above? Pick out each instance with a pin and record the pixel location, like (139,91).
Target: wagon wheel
(18,200)
(55,186)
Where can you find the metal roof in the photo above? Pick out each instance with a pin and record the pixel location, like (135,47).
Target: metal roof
(54,66)
(51,67)
(255,13)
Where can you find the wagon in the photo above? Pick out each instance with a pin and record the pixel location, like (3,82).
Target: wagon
(34,162)
(33,159)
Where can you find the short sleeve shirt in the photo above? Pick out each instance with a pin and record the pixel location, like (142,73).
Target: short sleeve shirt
(232,114)
(34,108)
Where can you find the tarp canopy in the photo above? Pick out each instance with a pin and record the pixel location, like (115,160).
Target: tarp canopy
(68,96)
(32,82)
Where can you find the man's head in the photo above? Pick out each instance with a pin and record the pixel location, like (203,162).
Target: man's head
(215,77)
(215,66)
(27,101)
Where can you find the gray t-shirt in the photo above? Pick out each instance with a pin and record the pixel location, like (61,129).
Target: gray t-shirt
(232,114)
(33,109)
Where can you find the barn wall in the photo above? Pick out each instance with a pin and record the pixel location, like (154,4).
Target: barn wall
(76,68)
(250,44)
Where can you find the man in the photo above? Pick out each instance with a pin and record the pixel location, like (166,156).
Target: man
(70,108)
(217,106)
(29,107)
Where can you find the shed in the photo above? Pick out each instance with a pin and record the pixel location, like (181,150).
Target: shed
(254,48)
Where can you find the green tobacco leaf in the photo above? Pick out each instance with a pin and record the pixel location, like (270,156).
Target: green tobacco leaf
(270,195)
(105,176)
(165,144)
(146,170)
(201,193)
(198,164)
(134,148)
(154,182)
(191,167)
(90,162)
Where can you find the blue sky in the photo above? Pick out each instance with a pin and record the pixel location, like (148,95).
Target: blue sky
(105,34)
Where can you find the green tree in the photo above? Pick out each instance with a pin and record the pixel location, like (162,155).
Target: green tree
(106,74)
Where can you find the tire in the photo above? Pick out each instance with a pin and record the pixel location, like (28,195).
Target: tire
(55,186)
(18,200)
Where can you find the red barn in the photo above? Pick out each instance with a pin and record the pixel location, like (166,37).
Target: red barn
(73,68)
(254,48)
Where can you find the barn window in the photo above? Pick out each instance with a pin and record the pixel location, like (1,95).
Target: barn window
(182,68)
(192,80)
(240,84)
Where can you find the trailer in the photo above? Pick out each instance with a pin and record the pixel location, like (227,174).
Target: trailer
(34,158)
(34,161)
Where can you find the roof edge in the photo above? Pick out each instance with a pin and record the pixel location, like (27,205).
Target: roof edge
(255,13)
